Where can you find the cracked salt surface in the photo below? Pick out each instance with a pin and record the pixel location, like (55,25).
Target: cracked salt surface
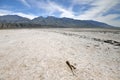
(41,54)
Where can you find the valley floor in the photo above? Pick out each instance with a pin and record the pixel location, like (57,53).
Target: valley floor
(41,54)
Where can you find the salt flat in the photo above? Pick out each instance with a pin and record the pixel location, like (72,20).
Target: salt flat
(41,54)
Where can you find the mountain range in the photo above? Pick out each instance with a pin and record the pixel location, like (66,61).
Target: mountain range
(15,21)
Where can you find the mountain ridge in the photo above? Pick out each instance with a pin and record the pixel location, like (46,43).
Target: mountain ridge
(15,21)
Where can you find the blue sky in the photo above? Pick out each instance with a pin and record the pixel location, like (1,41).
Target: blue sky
(107,11)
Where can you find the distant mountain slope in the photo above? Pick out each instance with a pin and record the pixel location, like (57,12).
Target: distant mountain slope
(15,21)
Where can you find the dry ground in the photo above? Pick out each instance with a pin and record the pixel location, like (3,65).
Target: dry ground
(41,54)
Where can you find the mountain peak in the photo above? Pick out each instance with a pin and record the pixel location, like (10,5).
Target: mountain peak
(12,16)
(51,17)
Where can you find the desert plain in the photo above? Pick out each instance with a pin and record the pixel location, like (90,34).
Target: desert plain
(41,54)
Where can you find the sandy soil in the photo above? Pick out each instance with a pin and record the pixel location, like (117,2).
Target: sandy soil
(41,54)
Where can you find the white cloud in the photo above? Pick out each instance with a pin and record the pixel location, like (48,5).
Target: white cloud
(25,3)
(82,1)
(30,16)
(101,7)
(7,12)
(4,12)
(109,19)
(52,7)
(97,12)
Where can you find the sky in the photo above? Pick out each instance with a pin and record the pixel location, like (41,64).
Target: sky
(107,11)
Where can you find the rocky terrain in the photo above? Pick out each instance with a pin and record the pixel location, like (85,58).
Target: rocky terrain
(60,54)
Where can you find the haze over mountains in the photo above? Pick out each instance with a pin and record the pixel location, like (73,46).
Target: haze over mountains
(15,21)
